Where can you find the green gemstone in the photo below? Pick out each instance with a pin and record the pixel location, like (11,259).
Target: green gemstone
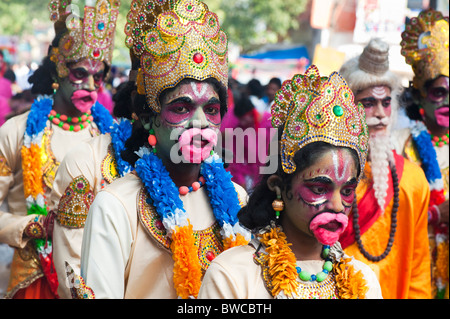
(328,265)
(304,275)
(338,111)
(321,276)
(325,252)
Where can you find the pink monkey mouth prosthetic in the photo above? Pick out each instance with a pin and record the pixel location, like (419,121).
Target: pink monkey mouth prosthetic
(442,116)
(83,100)
(328,226)
(196,144)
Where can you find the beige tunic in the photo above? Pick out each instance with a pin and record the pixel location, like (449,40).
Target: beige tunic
(122,254)
(235,275)
(56,143)
(92,161)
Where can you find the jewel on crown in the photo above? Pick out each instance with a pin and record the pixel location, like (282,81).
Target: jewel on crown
(89,38)
(310,108)
(183,41)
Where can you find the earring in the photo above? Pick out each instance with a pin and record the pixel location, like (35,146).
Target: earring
(55,87)
(152,140)
(278,204)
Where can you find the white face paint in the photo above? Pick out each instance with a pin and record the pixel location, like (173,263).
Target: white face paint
(379,92)
(199,85)
(339,164)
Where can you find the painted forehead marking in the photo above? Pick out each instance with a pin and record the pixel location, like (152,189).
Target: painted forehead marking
(340,166)
(379,92)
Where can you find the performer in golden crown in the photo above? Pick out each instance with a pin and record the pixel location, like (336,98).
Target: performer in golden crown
(32,145)
(425,47)
(297,214)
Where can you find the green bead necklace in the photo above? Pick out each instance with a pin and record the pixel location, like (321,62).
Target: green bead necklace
(322,275)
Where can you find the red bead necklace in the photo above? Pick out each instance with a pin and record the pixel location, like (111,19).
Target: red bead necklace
(71,123)
(183,190)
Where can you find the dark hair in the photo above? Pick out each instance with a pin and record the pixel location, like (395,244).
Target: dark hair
(255,88)
(275,81)
(243,105)
(258,212)
(122,99)
(140,106)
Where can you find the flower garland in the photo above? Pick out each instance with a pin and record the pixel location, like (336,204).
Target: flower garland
(121,131)
(282,272)
(31,153)
(165,198)
(430,165)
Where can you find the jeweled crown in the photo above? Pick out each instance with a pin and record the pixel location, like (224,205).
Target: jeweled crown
(89,38)
(310,108)
(425,46)
(175,40)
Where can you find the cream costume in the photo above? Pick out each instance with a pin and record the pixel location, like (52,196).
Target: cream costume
(126,254)
(56,142)
(239,277)
(85,170)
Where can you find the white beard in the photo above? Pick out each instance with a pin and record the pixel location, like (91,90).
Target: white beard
(380,156)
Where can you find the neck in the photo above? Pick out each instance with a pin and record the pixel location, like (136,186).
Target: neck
(304,246)
(182,174)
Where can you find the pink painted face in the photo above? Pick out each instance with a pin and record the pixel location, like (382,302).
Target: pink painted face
(82,83)
(323,196)
(377,104)
(190,120)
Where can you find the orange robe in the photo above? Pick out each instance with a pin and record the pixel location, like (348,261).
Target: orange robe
(405,272)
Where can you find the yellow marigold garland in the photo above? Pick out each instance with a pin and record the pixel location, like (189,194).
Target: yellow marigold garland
(238,240)
(281,263)
(187,273)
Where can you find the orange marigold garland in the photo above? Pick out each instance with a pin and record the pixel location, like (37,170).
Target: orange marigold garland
(187,272)
(282,273)
(349,283)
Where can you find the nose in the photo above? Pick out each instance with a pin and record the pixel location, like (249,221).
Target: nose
(379,110)
(90,83)
(336,202)
(199,119)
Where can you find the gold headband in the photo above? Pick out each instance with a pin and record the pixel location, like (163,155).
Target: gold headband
(312,109)
(425,46)
(174,42)
(89,38)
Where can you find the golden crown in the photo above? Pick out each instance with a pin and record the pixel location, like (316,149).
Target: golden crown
(175,40)
(89,38)
(425,46)
(313,108)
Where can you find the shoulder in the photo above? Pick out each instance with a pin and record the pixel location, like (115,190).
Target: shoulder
(399,138)
(15,125)
(125,189)
(413,177)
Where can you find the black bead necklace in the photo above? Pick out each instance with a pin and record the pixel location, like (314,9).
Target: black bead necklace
(393,222)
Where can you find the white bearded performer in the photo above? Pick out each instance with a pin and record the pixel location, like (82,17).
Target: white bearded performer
(389,222)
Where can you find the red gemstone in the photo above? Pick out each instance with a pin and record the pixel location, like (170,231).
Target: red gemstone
(159,225)
(96,53)
(210,255)
(198,58)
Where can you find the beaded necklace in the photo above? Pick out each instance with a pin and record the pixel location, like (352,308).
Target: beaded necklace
(439,141)
(32,171)
(70,123)
(164,196)
(393,222)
